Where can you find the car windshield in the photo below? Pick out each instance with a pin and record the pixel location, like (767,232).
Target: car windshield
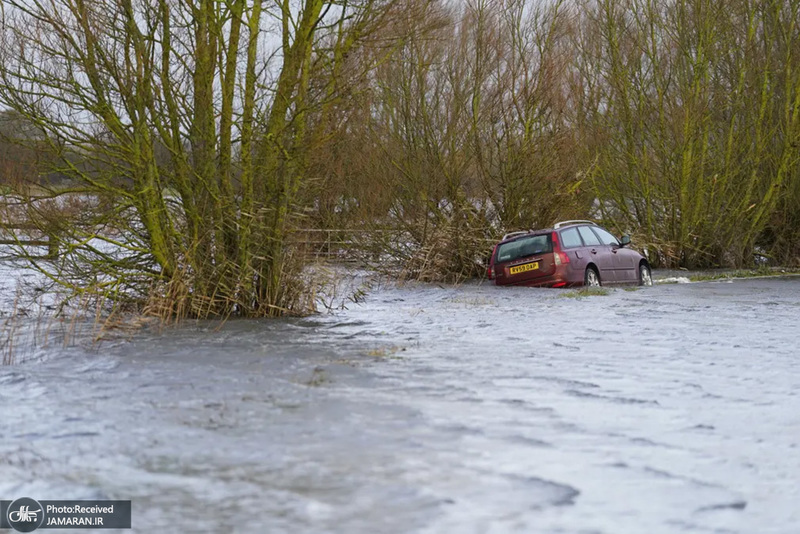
(524,246)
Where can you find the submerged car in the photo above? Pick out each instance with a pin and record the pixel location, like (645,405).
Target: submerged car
(572,253)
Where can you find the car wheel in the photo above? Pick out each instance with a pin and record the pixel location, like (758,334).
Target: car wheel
(645,275)
(591,278)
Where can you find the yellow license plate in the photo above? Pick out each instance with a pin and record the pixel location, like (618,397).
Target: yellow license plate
(525,267)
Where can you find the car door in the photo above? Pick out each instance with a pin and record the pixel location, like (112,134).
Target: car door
(600,254)
(624,260)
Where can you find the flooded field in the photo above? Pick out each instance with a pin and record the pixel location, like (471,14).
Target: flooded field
(433,409)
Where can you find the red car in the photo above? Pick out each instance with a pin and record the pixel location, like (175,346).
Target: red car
(572,253)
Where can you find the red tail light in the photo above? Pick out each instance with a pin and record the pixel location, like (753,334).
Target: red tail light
(559,256)
(490,269)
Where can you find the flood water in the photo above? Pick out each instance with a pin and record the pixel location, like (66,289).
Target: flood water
(434,409)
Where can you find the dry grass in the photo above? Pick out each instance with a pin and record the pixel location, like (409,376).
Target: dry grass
(23,334)
(442,252)
(586,292)
(31,325)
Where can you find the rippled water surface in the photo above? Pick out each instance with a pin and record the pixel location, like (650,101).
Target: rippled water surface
(433,409)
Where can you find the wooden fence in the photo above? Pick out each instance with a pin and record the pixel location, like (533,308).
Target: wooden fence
(337,245)
(45,239)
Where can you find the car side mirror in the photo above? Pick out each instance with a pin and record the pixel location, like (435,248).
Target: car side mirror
(625,240)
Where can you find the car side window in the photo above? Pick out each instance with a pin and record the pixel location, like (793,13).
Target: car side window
(588,236)
(606,237)
(570,238)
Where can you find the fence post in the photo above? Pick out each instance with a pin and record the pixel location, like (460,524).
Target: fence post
(52,245)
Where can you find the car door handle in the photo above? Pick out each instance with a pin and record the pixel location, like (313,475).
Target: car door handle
(594,251)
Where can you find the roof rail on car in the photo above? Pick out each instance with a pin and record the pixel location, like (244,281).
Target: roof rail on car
(567,223)
(514,234)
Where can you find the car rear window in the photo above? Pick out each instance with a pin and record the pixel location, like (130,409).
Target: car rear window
(524,246)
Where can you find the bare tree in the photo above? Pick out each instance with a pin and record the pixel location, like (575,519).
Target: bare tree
(194,119)
(693,108)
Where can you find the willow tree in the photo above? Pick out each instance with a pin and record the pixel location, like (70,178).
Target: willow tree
(192,121)
(692,110)
(460,136)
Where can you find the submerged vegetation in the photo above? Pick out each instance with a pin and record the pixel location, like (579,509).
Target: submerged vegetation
(586,292)
(179,153)
(760,272)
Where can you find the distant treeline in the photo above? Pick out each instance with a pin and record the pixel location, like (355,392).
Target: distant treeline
(218,128)
(677,121)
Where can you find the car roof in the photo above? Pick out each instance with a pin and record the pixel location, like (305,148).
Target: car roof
(511,236)
(516,235)
(573,222)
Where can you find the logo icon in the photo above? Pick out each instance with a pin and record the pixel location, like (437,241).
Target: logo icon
(25,515)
